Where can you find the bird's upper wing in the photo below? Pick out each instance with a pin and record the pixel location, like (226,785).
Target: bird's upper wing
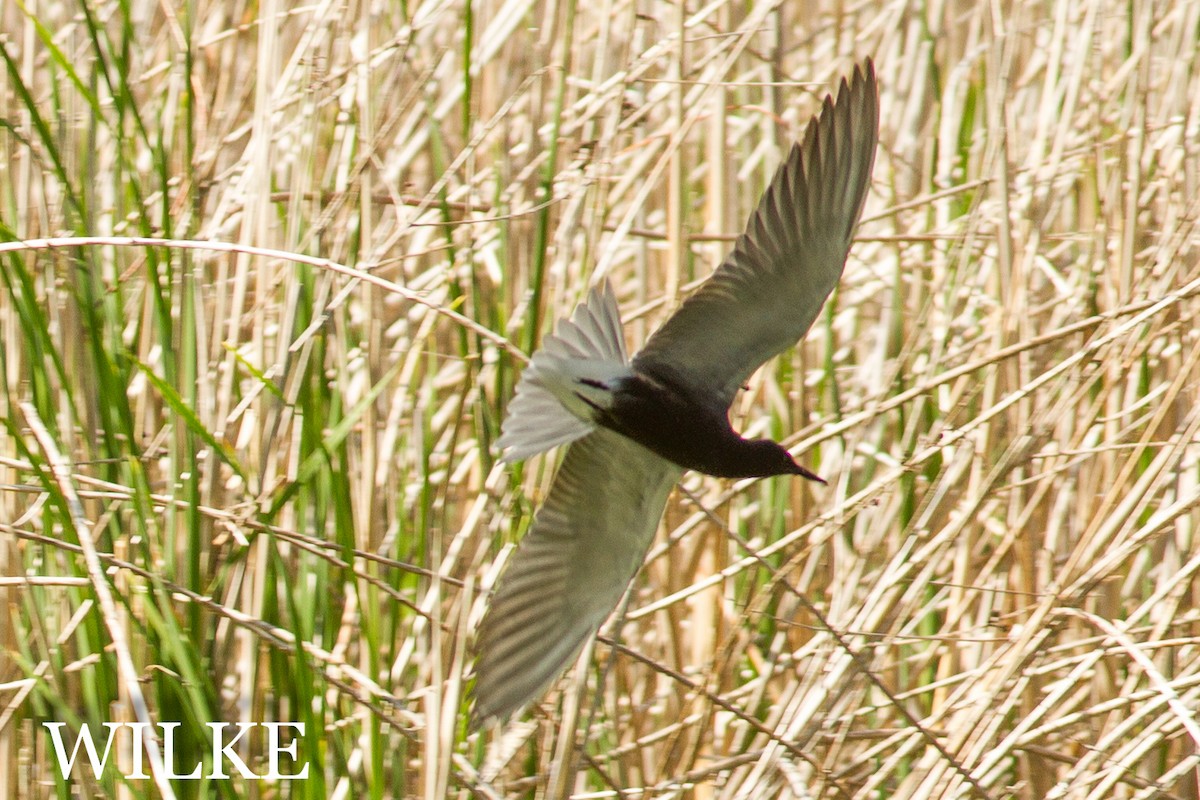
(570,570)
(768,291)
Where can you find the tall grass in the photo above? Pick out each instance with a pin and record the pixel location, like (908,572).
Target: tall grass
(300,253)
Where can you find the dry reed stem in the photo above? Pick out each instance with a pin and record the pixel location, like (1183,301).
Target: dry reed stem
(276,287)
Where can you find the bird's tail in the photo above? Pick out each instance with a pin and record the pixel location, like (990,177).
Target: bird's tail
(568,380)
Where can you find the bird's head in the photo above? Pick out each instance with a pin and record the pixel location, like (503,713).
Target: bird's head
(770,458)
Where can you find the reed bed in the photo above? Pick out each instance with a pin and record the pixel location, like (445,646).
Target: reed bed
(290,260)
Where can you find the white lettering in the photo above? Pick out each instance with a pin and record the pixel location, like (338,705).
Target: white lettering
(168,729)
(136,750)
(222,751)
(273,750)
(219,750)
(65,764)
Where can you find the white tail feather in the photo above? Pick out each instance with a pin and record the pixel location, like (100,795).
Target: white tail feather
(548,409)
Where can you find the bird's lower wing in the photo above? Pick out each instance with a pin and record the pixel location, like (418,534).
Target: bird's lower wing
(569,572)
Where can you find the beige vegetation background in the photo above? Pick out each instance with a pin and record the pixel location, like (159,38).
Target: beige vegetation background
(279,499)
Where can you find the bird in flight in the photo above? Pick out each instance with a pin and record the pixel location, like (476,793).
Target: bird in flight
(633,426)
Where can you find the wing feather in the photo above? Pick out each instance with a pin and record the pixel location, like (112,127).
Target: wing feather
(771,287)
(569,572)
(589,538)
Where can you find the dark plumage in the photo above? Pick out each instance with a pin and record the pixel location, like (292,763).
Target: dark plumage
(664,414)
(634,426)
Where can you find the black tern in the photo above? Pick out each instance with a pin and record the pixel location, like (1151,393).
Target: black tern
(633,427)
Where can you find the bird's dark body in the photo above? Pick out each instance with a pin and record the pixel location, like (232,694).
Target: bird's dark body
(683,425)
(634,425)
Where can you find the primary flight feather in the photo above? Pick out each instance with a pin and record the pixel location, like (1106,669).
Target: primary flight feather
(633,427)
